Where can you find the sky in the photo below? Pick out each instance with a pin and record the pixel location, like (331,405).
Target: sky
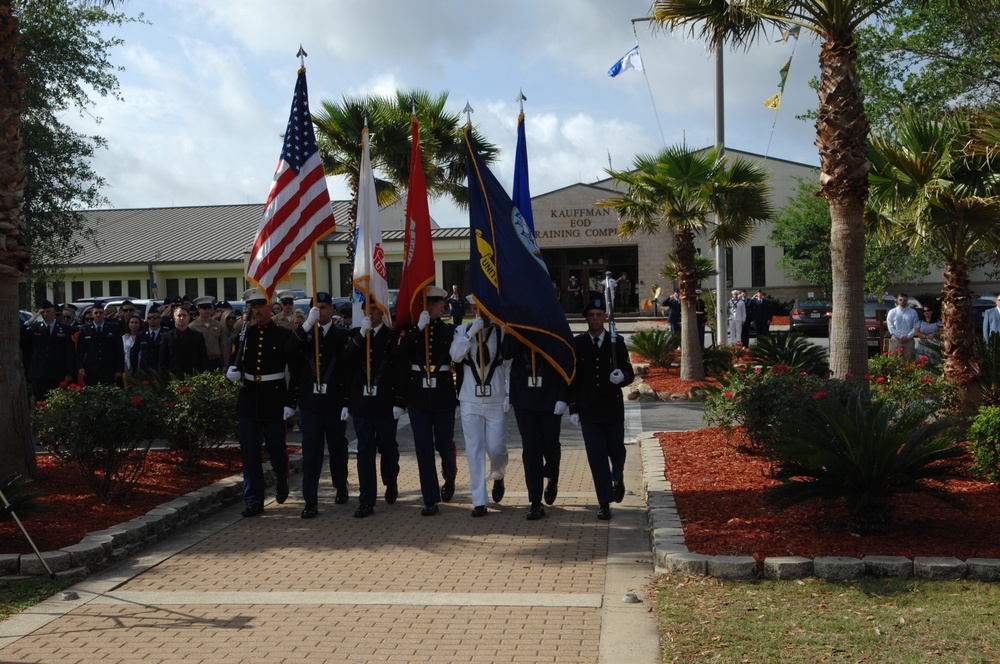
(207,86)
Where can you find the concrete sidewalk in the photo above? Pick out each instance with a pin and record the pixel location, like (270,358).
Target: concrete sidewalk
(394,587)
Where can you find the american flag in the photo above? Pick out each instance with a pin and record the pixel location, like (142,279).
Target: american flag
(298,212)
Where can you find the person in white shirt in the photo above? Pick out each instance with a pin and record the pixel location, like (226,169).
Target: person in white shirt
(737,315)
(901,320)
(483,404)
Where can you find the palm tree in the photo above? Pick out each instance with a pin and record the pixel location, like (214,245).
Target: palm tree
(338,133)
(680,188)
(841,128)
(945,201)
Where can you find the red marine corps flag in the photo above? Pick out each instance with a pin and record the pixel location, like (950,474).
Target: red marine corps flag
(418,253)
(297,213)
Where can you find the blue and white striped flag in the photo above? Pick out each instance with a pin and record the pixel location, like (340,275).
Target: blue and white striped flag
(631,60)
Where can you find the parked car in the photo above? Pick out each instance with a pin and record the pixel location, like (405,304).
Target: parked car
(810,315)
(141,306)
(25,316)
(877,329)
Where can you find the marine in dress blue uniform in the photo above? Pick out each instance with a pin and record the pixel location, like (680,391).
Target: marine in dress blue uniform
(50,351)
(597,405)
(427,392)
(264,352)
(372,373)
(321,402)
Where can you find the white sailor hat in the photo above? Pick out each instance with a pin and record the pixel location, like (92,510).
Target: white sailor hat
(254,296)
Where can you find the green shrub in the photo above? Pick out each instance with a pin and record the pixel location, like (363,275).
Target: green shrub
(864,453)
(791,349)
(756,400)
(656,344)
(984,443)
(720,361)
(200,414)
(21,495)
(911,383)
(105,430)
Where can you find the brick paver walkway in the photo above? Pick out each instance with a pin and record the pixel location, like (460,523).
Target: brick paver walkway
(394,587)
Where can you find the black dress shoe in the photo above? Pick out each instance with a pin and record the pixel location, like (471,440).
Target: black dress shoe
(309,512)
(604,512)
(448,490)
(551,491)
(342,496)
(281,492)
(429,510)
(498,490)
(619,491)
(535,512)
(253,510)
(391,494)
(479,510)
(363,511)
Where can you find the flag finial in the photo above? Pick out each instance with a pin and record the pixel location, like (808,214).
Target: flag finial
(521,98)
(413,104)
(468,110)
(302,55)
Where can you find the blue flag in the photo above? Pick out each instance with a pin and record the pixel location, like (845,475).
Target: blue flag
(510,281)
(631,60)
(522,194)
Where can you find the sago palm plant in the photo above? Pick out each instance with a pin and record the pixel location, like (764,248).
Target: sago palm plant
(791,349)
(864,453)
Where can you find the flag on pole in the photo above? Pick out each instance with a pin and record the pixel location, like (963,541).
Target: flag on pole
(298,213)
(522,193)
(418,252)
(774,101)
(369,256)
(631,60)
(791,32)
(510,281)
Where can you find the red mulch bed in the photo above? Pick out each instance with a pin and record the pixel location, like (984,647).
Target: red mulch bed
(719,493)
(76,511)
(669,380)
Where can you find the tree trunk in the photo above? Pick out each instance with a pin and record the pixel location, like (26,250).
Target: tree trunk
(959,349)
(17,453)
(842,139)
(692,366)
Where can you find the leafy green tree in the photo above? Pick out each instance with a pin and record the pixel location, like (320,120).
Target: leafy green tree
(66,62)
(841,126)
(802,229)
(338,133)
(931,56)
(680,189)
(928,189)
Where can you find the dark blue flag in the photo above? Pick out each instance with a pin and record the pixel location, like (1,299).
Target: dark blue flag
(510,281)
(522,193)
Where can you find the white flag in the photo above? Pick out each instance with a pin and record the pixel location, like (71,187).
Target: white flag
(631,60)
(369,256)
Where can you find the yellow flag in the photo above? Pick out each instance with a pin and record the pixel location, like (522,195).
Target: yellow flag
(773,102)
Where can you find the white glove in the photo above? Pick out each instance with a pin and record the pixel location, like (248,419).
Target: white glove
(424,320)
(288,412)
(343,414)
(475,326)
(506,404)
(366,324)
(617,377)
(574,419)
(397,412)
(234,374)
(311,319)
(561,407)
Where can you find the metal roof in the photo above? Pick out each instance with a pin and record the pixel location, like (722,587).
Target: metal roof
(208,233)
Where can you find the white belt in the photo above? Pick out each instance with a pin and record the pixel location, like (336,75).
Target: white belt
(263,378)
(417,367)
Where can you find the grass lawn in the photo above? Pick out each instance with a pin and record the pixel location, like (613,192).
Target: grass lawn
(18,595)
(886,621)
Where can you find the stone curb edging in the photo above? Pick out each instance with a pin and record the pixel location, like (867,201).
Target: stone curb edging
(671,554)
(99,549)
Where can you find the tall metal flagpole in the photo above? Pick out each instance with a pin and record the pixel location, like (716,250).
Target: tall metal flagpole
(720,250)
